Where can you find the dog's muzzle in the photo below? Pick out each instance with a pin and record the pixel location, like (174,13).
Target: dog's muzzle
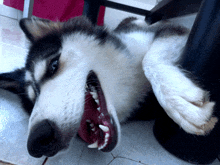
(97,127)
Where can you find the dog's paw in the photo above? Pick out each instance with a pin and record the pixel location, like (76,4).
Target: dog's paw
(189,106)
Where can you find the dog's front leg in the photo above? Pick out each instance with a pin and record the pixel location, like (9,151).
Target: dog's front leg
(185,102)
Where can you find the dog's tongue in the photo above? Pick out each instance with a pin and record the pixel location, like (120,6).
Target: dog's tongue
(96,126)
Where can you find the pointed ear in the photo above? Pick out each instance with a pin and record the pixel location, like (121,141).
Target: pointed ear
(13,81)
(35,29)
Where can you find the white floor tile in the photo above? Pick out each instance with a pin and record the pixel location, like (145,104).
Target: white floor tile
(11,57)
(10,33)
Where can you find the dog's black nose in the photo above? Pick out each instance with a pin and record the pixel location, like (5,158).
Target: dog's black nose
(44,139)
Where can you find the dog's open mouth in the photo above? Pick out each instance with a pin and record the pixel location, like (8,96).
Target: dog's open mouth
(97,126)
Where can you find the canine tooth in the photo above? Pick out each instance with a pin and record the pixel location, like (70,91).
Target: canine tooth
(97,101)
(93,129)
(101,147)
(104,128)
(94,95)
(98,108)
(88,121)
(106,135)
(94,145)
(91,125)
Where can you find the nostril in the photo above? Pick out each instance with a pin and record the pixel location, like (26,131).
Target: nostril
(44,139)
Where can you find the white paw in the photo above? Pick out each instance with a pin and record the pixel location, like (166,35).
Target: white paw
(188,105)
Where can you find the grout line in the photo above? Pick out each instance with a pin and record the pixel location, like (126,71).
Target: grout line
(131,160)
(45,160)
(124,158)
(8,17)
(111,160)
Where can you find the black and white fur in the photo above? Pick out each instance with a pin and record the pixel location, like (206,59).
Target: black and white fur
(129,62)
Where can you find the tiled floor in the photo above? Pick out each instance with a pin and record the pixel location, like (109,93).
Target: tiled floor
(138,147)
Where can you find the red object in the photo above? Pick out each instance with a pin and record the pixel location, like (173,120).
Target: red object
(55,10)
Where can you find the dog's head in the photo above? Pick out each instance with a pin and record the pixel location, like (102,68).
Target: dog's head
(72,82)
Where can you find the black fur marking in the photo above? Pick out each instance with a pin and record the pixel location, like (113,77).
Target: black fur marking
(26,103)
(164,30)
(83,25)
(78,24)
(127,26)
(43,49)
(104,36)
(14,82)
(169,30)
(50,42)
(48,74)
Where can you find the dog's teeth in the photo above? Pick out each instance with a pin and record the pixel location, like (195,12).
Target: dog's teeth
(93,129)
(88,121)
(94,95)
(106,135)
(104,128)
(92,125)
(98,108)
(97,101)
(94,145)
(106,140)
(101,147)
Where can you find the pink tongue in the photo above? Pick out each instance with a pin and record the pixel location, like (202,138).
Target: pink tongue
(90,116)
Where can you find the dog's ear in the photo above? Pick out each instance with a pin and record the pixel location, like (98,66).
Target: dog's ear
(35,29)
(13,81)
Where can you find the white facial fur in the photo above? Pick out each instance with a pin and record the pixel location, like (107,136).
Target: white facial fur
(29,88)
(39,70)
(62,98)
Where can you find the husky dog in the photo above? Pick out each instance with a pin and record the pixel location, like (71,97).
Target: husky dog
(81,78)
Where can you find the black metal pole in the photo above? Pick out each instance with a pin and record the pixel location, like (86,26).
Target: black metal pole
(202,52)
(203,37)
(91,9)
(201,57)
